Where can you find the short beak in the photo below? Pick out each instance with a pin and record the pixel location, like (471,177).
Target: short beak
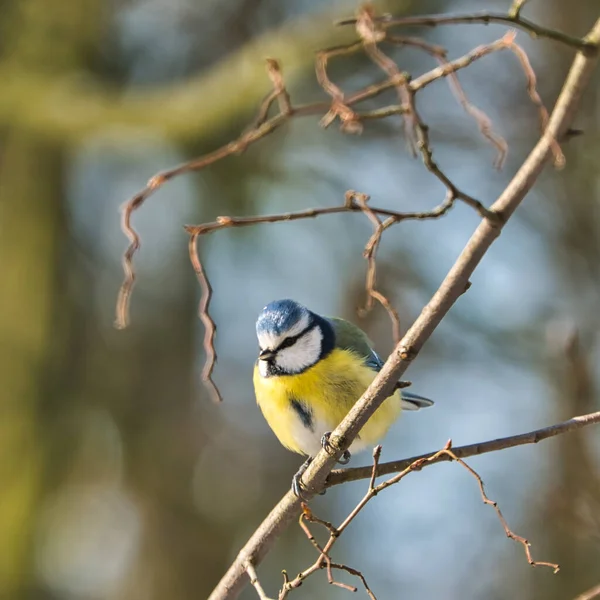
(266,354)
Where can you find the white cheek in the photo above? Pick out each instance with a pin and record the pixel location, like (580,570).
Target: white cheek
(263,368)
(303,354)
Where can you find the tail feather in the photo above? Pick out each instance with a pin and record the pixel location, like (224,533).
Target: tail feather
(414,401)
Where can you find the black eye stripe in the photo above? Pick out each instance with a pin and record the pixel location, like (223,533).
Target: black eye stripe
(290,341)
(287,343)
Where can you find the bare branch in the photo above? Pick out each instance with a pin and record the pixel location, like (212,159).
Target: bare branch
(587,46)
(310,213)
(255,582)
(370,253)
(532,437)
(590,594)
(515,10)
(324,559)
(507,530)
(483,121)
(276,77)
(210,328)
(559,158)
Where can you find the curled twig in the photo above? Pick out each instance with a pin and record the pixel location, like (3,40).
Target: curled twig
(210,328)
(559,157)
(276,77)
(483,121)
(507,530)
(370,253)
(350,122)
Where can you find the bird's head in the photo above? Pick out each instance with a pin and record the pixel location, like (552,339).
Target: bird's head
(291,338)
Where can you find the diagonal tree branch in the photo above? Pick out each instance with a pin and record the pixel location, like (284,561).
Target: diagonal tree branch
(449,291)
(590,594)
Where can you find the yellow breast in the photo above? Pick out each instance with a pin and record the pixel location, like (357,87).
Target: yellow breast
(328,390)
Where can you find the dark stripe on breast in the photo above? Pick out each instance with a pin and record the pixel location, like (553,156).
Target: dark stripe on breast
(303,412)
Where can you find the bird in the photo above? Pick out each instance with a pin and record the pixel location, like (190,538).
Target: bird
(309,373)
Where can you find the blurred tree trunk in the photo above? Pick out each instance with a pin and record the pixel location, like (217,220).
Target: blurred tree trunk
(30,217)
(49,37)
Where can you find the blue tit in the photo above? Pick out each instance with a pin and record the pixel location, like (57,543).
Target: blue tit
(309,373)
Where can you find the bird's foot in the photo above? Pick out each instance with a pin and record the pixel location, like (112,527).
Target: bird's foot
(344,459)
(297,486)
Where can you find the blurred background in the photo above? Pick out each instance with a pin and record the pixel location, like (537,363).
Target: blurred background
(119,480)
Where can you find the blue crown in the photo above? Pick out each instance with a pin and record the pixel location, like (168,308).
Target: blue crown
(279,316)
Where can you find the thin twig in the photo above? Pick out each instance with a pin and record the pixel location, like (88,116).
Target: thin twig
(276,77)
(515,10)
(371,35)
(590,594)
(358,574)
(350,122)
(210,328)
(587,47)
(559,157)
(483,121)
(255,582)
(263,111)
(370,253)
(418,83)
(324,559)
(339,476)
(415,129)
(507,530)
(310,213)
